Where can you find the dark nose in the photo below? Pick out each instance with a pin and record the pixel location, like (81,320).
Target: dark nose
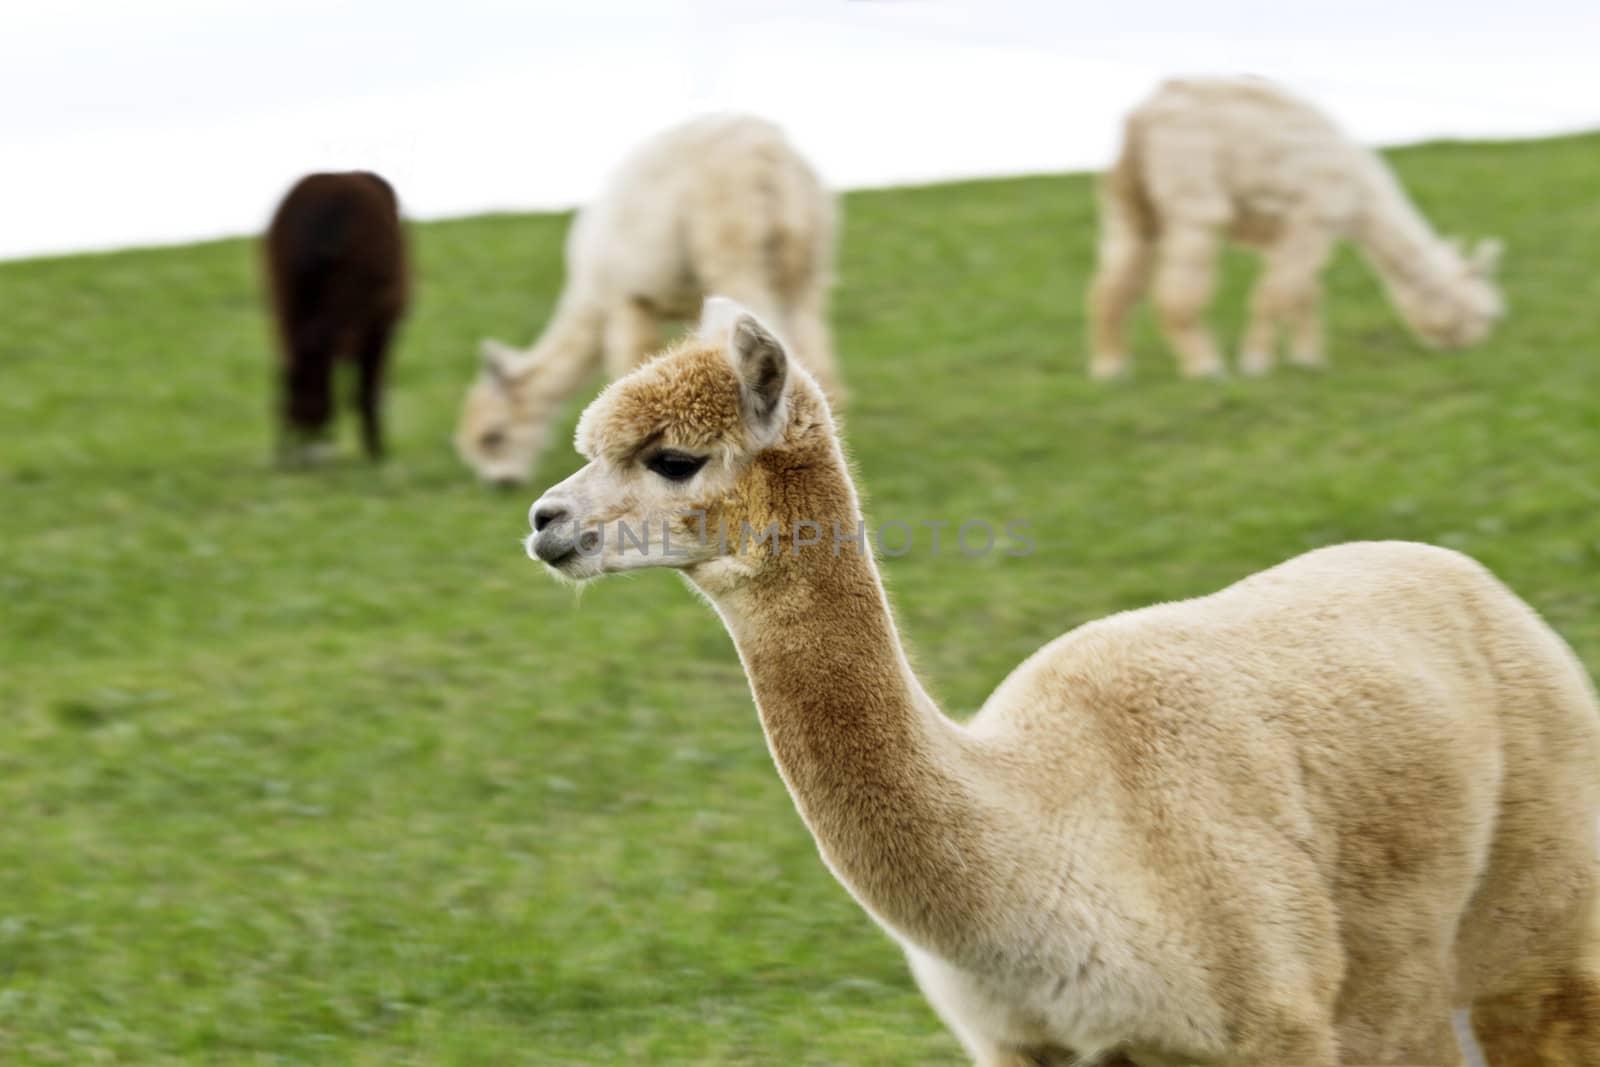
(545,514)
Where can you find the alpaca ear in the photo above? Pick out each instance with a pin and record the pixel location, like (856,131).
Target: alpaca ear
(758,359)
(1485,258)
(499,360)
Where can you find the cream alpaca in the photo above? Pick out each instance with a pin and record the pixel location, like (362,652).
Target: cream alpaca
(721,204)
(1208,158)
(1291,823)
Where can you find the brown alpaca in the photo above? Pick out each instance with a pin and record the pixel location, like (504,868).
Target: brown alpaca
(1290,824)
(336,267)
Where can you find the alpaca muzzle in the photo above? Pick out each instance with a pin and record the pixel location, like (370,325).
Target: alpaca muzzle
(554,531)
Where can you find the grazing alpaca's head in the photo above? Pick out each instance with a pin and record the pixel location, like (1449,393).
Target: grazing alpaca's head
(505,419)
(692,457)
(1450,300)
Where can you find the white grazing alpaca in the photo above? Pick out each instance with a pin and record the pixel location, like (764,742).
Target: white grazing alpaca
(1291,823)
(720,204)
(1205,159)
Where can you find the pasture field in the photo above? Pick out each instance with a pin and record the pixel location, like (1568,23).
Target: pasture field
(319,768)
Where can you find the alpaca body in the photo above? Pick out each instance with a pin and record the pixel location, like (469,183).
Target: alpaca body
(723,203)
(1322,786)
(336,269)
(1295,822)
(1296,817)
(1208,160)
(721,199)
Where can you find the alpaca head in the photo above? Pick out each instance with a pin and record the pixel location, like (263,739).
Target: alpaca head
(505,419)
(1453,301)
(692,457)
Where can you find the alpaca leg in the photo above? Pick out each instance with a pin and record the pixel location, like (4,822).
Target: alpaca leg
(1123,271)
(1006,1058)
(1571,1021)
(807,323)
(1303,1046)
(632,332)
(1397,1003)
(1532,943)
(1185,278)
(1554,1023)
(1299,1033)
(1306,347)
(1418,1032)
(370,364)
(1258,350)
(1308,253)
(1506,1027)
(1054,1056)
(1288,291)
(307,387)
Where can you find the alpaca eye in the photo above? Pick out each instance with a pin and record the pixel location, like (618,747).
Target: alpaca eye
(676,466)
(492,439)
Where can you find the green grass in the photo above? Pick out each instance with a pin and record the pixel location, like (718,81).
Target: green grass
(319,768)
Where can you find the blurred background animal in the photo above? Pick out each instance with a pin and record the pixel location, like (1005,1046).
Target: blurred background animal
(336,270)
(722,204)
(1205,160)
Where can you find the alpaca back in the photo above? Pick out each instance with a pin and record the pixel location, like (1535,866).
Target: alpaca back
(724,202)
(1240,152)
(762,209)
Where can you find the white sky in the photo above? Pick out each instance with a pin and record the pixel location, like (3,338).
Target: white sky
(165,120)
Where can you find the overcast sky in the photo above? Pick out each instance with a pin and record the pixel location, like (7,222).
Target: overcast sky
(165,120)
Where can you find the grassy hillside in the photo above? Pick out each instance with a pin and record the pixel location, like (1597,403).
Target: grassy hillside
(319,768)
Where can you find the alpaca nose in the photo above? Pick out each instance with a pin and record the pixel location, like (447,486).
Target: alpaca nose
(544,514)
(555,533)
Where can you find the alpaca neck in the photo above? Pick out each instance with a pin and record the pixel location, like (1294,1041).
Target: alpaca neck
(568,351)
(1397,240)
(873,766)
